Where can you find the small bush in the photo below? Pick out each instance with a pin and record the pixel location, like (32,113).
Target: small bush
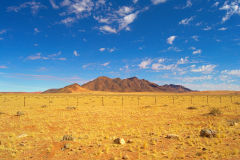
(71,108)
(233,122)
(67,138)
(215,111)
(192,107)
(44,106)
(19,113)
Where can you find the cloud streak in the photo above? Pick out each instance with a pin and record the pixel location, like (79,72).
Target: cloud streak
(38,56)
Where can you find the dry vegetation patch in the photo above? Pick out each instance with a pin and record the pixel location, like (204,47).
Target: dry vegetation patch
(215,111)
(192,108)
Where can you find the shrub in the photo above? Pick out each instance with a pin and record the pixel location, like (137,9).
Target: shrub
(67,138)
(71,108)
(215,111)
(19,113)
(192,107)
(44,106)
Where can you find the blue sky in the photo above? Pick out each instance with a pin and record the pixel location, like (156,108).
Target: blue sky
(52,43)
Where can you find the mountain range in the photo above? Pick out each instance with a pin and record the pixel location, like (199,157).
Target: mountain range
(132,84)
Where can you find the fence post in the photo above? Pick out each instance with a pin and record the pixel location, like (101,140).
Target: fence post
(48,100)
(77,100)
(138,100)
(122,107)
(102,101)
(122,100)
(67,100)
(155,100)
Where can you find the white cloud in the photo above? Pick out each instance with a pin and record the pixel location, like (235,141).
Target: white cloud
(123,11)
(111,50)
(66,3)
(102,20)
(108,29)
(135,1)
(232,72)
(144,64)
(107,49)
(34,57)
(106,64)
(206,69)
(192,79)
(216,4)
(3,31)
(118,20)
(3,67)
(188,4)
(126,20)
(34,6)
(222,29)
(75,53)
(159,66)
(155,2)
(193,66)
(171,39)
(68,21)
(214,87)
(102,49)
(36,30)
(100,3)
(156,66)
(78,7)
(114,20)
(39,56)
(125,68)
(199,51)
(61,59)
(183,60)
(161,60)
(176,49)
(196,38)
(186,20)
(54,5)
(231,7)
(192,48)
(207,28)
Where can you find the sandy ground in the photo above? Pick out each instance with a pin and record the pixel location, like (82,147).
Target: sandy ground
(38,133)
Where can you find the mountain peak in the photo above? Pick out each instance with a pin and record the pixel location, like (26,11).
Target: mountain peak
(103,77)
(132,84)
(73,88)
(133,78)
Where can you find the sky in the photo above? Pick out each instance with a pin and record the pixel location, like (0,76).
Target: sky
(53,43)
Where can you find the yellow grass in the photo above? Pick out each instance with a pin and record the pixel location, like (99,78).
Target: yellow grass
(97,119)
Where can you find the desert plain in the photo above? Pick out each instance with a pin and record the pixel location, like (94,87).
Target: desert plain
(148,125)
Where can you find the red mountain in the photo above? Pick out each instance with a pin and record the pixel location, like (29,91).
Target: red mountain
(130,85)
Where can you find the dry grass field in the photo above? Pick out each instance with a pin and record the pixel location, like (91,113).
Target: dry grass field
(75,126)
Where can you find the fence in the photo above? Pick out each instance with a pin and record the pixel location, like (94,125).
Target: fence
(116,100)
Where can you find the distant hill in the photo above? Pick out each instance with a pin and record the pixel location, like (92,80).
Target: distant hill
(74,88)
(119,85)
(130,85)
